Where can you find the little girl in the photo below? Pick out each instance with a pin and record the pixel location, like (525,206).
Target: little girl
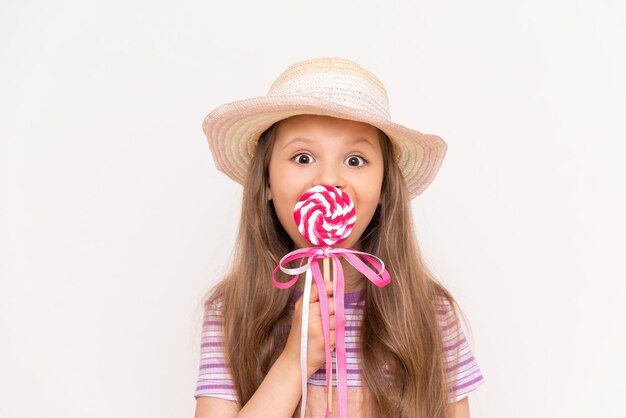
(326,122)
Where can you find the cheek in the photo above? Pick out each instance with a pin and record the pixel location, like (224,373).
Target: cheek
(366,207)
(365,213)
(283,177)
(284,198)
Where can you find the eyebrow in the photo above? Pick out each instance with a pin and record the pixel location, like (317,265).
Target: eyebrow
(352,142)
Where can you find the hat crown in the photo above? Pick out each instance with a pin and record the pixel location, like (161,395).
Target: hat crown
(336,80)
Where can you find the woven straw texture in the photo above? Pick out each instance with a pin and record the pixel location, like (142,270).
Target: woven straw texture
(322,86)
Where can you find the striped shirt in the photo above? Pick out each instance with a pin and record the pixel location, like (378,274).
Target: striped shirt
(463,373)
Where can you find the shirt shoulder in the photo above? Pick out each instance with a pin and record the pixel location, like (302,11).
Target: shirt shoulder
(462,370)
(214,377)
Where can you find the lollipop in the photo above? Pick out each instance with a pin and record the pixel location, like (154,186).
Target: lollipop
(324,215)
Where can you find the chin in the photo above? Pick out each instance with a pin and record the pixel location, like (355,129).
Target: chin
(301,242)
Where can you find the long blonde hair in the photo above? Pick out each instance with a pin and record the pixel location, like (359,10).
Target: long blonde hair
(400,339)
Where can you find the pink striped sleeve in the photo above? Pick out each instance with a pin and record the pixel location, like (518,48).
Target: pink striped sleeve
(464,375)
(214,377)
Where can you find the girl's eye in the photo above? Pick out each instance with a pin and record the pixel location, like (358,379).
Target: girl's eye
(303,158)
(356,161)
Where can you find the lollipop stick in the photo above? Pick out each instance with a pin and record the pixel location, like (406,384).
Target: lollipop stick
(326,269)
(326,266)
(313,217)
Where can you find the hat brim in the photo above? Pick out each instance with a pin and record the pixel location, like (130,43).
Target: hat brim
(233,129)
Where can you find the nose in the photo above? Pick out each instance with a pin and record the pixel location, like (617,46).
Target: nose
(331,175)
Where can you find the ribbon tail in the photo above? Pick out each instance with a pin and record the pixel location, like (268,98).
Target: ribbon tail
(378,275)
(325,316)
(306,299)
(340,338)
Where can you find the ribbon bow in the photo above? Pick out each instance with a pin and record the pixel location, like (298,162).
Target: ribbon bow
(380,278)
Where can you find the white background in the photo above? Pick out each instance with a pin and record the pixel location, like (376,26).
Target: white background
(114,221)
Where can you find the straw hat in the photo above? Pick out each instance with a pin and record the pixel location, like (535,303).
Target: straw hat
(322,86)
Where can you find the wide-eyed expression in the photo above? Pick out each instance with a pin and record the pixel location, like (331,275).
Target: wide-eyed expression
(311,150)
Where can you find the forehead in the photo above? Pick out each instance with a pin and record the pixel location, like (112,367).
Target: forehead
(310,126)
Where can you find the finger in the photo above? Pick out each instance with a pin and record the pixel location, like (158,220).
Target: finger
(332,322)
(314,309)
(315,294)
(331,306)
(329,288)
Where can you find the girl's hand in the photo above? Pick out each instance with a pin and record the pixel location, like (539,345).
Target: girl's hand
(315,353)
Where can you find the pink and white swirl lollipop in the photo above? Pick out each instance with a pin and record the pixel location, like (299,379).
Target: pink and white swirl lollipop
(325,215)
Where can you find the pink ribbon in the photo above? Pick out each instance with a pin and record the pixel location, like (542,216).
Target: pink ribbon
(380,278)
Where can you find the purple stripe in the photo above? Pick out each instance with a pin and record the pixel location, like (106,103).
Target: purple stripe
(354,297)
(447,327)
(459,364)
(466,384)
(453,346)
(203,387)
(212,366)
(322,384)
(211,344)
